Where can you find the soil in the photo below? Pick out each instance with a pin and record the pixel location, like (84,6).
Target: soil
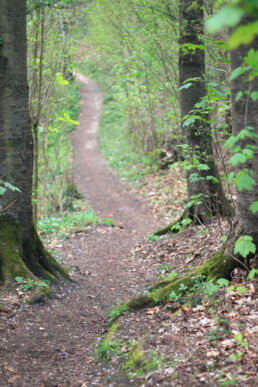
(54,344)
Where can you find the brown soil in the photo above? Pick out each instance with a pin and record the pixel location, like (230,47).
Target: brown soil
(53,344)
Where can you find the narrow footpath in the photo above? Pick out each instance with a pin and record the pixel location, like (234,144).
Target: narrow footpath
(53,344)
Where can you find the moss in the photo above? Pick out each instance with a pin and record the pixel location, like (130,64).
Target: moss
(138,361)
(39,295)
(24,258)
(107,346)
(218,266)
(11,264)
(112,330)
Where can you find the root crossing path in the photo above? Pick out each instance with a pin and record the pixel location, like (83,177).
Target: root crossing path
(53,344)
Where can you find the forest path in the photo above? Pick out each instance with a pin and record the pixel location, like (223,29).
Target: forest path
(53,344)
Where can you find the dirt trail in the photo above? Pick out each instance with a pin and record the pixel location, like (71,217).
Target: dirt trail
(52,345)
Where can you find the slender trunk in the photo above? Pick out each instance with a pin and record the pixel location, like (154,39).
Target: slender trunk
(245,116)
(204,187)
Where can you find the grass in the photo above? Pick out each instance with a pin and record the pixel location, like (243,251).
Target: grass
(61,226)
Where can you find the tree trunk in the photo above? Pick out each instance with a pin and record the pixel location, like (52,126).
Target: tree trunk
(21,250)
(245,115)
(203,182)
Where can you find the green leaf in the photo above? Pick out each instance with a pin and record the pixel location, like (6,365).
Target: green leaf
(254,95)
(253,273)
(252,57)
(228,16)
(238,71)
(242,289)
(244,133)
(213,178)
(254,207)
(188,121)
(19,279)
(203,167)
(244,181)
(223,282)
(230,177)
(185,222)
(238,337)
(2,190)
(11,187)
(249,153)
(243,34)
(230,142)
(239,95)
(186,86)
(237,159)
(244,246)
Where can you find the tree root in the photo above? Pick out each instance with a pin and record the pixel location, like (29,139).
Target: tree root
(220,265)
(170,228)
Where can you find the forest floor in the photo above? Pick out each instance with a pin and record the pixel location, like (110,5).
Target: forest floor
(54,344)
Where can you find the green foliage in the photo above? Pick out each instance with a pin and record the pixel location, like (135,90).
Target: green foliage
(61,226)
(153,238)
(252,274)
(4,185)
(28,283)
(239,339)
(243,35)
(116,312)
(244,246)
(230,15)
(106,349)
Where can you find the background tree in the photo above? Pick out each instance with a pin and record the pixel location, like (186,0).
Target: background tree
(205,193)
(244,144)
(21,251)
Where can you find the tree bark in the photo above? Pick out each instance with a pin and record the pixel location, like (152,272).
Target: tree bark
(197,134)
(17,232)
(244,115)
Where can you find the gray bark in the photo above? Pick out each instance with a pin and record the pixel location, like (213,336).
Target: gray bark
(198,134)
(244,114)
(18,238)
(16,144)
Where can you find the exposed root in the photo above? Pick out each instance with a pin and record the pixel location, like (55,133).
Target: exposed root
(220,265)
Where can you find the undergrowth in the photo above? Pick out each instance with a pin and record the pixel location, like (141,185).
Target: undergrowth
(71,221)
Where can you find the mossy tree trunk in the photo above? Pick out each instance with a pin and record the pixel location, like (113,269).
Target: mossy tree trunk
(21,251)
(206,192)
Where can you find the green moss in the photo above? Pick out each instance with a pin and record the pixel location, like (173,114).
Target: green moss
(112,330)
(138,361)
(24,258)
(39,295)
(11,264)
(218,266)
(108,346)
